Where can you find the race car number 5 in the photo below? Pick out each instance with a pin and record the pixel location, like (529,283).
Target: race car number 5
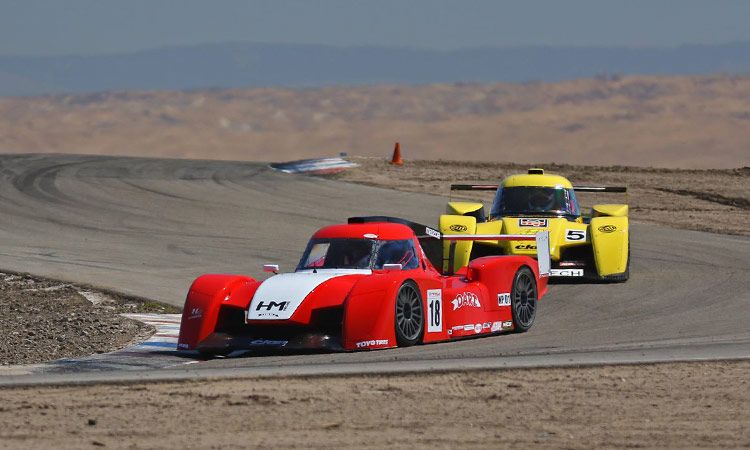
(435,310)
(575,235)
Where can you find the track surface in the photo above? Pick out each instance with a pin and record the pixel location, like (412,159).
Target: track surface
(147,227)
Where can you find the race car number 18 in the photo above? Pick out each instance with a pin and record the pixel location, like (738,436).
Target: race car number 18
(435,310)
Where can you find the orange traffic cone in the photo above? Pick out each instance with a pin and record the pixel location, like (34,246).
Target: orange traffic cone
(396,160)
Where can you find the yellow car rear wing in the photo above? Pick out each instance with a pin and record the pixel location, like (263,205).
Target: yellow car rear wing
(600,188)
(474,187)
(493,187)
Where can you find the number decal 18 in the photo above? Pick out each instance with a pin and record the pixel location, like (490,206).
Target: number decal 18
(434,310)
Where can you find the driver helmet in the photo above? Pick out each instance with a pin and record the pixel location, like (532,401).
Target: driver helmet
(542,200)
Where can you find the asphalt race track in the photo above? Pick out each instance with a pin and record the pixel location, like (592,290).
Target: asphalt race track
(147,227)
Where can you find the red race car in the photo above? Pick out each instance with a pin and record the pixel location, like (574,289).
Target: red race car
(369,284)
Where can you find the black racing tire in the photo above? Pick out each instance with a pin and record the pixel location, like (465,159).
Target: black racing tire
(523,299)
(409,315)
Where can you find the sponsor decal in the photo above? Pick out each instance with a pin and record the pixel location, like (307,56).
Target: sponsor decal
(268,342)
(195,313)
(370,236)
(566,272)
(486,325)
(525,247)
(450,332)
(478,328)
(537,223)
(575,235)
(430,232)
(507,324)
(458,228)
(435,310)
(270,308)
(503,299)
(468,327)
(271,305)
(496,326)
(466,299)
(181,345)
(371,343)
(457,327)
(279,296)
(607,228)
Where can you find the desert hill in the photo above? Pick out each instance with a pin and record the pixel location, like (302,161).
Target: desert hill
(687,122)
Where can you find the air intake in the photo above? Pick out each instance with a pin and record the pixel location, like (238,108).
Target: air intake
(536,171)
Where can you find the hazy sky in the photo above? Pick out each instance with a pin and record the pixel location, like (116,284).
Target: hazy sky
(98,26)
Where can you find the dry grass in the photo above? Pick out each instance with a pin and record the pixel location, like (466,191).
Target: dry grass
(687,122)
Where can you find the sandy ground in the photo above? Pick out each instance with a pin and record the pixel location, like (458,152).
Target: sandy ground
(704,200)
(688,122)
(697,405)
(43,319)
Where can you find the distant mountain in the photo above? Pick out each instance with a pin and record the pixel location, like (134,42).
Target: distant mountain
(233,65)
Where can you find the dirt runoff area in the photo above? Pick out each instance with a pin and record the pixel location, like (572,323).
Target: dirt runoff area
(691,405)
(703,200)
(42,320)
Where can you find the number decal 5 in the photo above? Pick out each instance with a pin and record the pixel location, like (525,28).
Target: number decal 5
(575,235)
(434,310)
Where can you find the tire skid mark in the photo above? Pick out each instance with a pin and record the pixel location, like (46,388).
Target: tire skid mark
(734,202)
(140,187)
(40,183)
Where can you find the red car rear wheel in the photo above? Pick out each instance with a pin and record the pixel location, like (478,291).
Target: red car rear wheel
(523,299)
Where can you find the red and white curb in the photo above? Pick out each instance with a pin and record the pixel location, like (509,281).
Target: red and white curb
(318,166)
(167,331)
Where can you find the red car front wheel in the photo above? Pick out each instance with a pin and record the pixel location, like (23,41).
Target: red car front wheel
(409,315)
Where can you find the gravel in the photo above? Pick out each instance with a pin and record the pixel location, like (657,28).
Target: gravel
(42,320)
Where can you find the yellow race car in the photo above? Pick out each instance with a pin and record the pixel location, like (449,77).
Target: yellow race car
(593,247)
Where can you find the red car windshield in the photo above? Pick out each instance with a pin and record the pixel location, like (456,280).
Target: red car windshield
(357,254)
